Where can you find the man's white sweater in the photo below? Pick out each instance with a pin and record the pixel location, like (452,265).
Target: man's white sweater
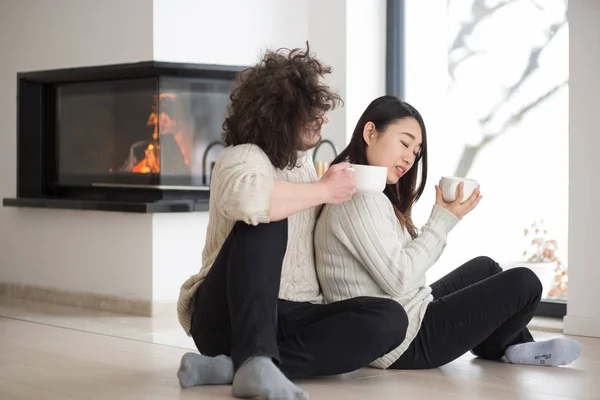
(241,190)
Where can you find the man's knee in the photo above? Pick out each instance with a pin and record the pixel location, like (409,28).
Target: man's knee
(262,246)
(277,227)
(262,234)
(399,324)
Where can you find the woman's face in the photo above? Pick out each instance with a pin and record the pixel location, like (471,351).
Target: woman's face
(396,148)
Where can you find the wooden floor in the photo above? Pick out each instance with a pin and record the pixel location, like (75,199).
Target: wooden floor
(56,353)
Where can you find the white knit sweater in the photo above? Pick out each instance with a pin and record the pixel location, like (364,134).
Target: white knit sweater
(241,189)
(362,250)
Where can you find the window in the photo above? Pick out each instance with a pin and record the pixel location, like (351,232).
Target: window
(491,81)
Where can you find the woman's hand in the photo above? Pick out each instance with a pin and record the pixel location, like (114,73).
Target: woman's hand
(458,207)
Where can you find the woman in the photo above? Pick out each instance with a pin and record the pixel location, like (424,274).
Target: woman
(369,246)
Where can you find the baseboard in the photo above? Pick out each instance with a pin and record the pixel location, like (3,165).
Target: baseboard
(93,301)
(545,324)
(582,326)
(164,308)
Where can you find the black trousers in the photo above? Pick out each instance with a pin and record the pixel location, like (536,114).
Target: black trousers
(476,307)
(237,312)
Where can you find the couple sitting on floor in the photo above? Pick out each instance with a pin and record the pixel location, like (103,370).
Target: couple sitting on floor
(302,277)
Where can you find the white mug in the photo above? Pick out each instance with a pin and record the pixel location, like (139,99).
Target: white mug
(449,185)
(369,179)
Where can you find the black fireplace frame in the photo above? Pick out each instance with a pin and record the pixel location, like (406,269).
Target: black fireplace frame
(36,163)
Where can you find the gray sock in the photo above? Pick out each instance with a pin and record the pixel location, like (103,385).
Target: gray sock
(196,370)
(552,353)
(259,378)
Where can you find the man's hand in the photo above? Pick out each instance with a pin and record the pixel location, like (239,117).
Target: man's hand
(339,183)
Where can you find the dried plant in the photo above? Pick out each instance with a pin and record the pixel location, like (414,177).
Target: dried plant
(543,249)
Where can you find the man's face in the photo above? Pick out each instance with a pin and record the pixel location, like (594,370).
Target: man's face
(313,137)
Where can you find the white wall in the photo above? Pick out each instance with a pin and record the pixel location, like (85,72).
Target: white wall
(105,253)
(583,310)
(365,57)
(327,35)
(349,35)
(232,32)
(85,251)
(177,243)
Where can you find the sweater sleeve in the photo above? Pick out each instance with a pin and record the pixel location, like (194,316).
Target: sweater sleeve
(243,184)
(368,227)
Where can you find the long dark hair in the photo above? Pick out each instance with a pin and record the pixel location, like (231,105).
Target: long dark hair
(275,101)
(382,112)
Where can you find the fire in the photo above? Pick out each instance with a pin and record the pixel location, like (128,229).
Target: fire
(167,139)
(150,163)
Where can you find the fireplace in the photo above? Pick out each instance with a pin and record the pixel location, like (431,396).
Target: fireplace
(137,137)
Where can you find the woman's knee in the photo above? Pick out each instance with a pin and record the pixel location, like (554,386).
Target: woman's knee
(489,263)
(525,281)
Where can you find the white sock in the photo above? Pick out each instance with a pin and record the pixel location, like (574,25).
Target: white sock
(551,353)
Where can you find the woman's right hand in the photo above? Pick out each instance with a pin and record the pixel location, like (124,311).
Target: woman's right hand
(458,207)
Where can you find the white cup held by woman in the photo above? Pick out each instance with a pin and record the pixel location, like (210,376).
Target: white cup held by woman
(449,184)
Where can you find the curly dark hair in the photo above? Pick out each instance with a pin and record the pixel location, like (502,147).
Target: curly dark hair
(274,103)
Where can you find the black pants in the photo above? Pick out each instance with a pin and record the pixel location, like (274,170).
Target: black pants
(238,313)
(476,307)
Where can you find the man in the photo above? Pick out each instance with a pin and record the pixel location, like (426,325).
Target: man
(257,298)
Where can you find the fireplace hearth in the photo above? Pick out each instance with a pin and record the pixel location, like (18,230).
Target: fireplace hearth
(139,137)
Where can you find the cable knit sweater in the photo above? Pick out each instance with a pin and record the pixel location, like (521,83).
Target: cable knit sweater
(241,189)
(362,250)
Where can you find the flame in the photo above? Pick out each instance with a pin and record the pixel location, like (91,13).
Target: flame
(150,163)
(163,121)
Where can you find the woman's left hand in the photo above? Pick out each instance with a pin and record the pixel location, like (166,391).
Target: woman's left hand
(458,207)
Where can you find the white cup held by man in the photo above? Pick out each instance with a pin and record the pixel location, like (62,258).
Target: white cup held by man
(449,185)
(369,179)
